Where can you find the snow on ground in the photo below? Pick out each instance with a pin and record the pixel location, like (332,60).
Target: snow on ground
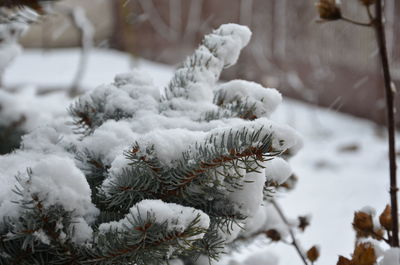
(342,167)
(55,69)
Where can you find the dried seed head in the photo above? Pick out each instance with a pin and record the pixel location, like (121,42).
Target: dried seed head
(343,261)
(363,223)
(385,219)
(274,235)
(313,253)
(328,10)
(364,254)
(304,222)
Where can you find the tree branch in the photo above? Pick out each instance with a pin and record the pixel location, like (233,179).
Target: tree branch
(390,120)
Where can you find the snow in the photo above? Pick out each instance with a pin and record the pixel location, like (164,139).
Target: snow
(234,37)
(177,217)
(130,94)
(9,47)
(115,137)
(37,148)
(256,222)
(7,53)
(34,68)
(277,170)
(41,236)
(57,181)
(391,257)
(33,110)
(220,49)
(265,100)
(332,183)
(261,257)
(249,198)
(171,143)
(54,181)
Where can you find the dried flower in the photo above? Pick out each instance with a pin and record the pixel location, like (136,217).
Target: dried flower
(385,219)
(304,222)
(364,254)
(363,224)
(273,234)
(343,261)
(328,10)
(313,253)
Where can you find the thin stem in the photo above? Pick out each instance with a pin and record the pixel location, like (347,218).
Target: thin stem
(294,242)
(356,22)
(387,241)
(370,16)
(390,120)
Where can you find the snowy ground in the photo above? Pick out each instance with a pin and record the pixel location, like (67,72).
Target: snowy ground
(342,167)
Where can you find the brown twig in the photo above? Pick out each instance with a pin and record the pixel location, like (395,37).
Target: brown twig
(390,120)
(356,22)
(377,23)
(294,241)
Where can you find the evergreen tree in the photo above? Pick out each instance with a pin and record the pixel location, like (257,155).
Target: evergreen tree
(12,25)
(139,176)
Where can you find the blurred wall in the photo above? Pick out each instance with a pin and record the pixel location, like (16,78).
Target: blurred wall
(331,64)
(57,30)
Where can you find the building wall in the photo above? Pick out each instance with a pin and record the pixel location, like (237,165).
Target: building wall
(57,30)
(330,64)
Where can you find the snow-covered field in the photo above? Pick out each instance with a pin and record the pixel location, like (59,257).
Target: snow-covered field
(342,167)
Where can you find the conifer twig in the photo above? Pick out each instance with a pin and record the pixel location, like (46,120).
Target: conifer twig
(294,241)
(390,120)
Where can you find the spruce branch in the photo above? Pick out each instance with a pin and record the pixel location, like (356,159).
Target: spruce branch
(233,150)
(186,192)
(131,186)
(143,241)
(93,166)
(145,160)
(240,109)
(21,245)
(206,64)
(90,113)
(228,148)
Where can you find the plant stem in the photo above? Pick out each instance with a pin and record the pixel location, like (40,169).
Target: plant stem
(356,22)
(294,242)
(370,16)
(390,120)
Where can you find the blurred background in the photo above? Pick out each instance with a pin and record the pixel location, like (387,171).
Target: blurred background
(334,65)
